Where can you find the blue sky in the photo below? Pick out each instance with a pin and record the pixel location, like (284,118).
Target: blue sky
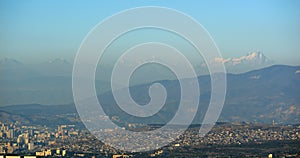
(34,30)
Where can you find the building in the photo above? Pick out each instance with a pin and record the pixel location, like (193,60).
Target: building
(121,156)
(30,146)
(40,153)
(10,148)
(43,153)
(57,151)
(10,133)
(48,153)
(64,152)
(2,150)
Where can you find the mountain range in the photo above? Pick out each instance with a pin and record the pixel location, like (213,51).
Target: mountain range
(49,82)
(262,95)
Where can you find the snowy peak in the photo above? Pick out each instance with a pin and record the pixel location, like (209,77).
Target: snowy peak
(248,62)
(256,56)
(253,57)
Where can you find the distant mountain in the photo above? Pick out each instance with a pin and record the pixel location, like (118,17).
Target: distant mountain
(261,95)
(11,117)
(36,114)
(251,61)
(48,82)
(26,83)
(54,67)
(9,62)
(251,58)
(266,94)
(12,69)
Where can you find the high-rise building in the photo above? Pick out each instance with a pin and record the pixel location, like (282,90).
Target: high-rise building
(10,133)
(3,127)
(20,139)
(30,146)
(2,150)
(64,152)
(10,148)
(26,140)
(31,132)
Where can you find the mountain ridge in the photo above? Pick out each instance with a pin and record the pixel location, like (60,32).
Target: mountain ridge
(272,94)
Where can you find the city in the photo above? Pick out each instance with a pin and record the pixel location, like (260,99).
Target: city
(140,79)
(69,141)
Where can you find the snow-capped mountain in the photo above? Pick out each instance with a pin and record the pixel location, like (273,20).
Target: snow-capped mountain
(252,60)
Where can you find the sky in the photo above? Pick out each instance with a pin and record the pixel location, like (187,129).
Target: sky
(37,31)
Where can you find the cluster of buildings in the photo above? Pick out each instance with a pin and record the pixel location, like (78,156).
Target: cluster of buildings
(38,140)
(241,134)
(67,140)
(43,141)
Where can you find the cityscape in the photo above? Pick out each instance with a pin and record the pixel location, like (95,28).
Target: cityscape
(143,79)
(69,141)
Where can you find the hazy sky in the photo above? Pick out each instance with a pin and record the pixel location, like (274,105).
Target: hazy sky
(36,31)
